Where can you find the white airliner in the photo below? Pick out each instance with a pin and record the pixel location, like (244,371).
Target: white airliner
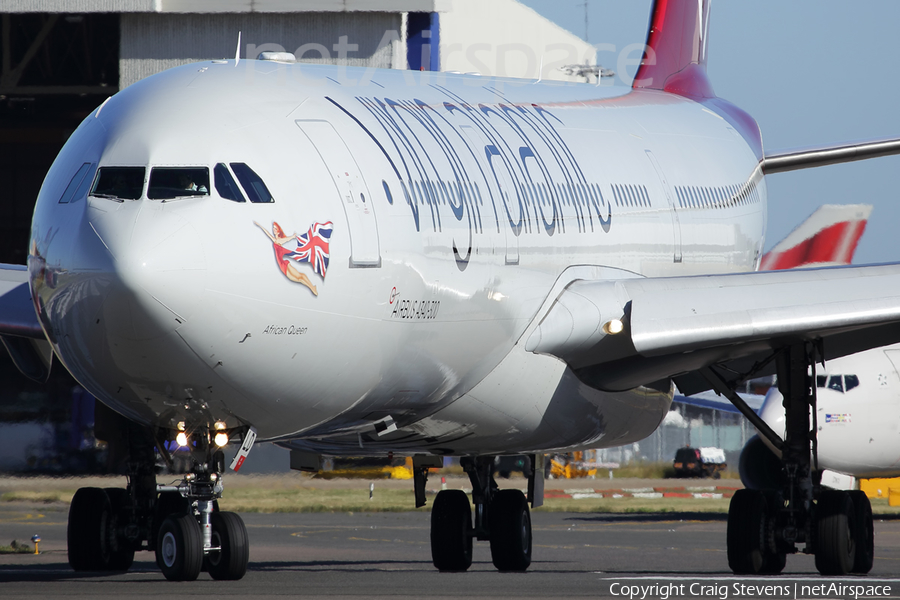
(352,261)
(857,419)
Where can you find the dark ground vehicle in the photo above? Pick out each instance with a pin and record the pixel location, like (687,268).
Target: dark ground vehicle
(699,462)
(505,465)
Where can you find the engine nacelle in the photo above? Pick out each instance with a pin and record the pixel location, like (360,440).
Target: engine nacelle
(760,469)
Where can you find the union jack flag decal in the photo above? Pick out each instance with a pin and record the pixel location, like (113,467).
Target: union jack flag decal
(312,247)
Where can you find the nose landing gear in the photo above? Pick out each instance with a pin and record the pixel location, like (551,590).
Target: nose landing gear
(181,523)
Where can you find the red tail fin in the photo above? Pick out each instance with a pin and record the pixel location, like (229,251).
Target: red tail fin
(675,58)
(828,237)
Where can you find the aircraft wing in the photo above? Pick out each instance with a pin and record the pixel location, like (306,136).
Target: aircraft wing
(20,330)
(674,326)
(819,156)
(17,316)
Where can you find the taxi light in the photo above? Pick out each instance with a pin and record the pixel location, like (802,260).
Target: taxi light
(181,439)
(613,327)
(220,425)
(221,439)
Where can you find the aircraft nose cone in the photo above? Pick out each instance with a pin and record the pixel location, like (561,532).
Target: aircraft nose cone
(160,266)
(772,410)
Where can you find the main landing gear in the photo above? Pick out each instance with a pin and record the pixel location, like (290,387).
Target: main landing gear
(766,525)
(501,517)
(180,523)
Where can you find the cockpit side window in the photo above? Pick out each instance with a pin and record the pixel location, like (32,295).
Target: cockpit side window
(850,382)
(821,380)
(76,184)
(119,183)
(178,182)
(835,383)
(226,185)
(254,187)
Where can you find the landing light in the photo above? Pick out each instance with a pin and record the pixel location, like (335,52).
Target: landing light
(221,439)
(613,327)
(181,439)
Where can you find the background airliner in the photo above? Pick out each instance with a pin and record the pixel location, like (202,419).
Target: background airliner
(351,261)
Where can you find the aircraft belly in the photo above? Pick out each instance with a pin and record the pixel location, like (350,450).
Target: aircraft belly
(528,403)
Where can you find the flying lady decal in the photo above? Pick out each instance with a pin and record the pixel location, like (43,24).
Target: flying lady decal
(291,250)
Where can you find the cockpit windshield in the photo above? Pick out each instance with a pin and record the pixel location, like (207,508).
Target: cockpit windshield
(177,182)
(838,383)
(119,183)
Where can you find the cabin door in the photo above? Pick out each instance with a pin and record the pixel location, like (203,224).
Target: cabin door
(355,197)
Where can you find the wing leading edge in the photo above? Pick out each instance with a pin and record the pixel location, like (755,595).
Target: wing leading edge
(20,330)
(820,156)
(673,327)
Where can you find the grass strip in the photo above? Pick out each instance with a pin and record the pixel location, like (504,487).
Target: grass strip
(306,499)
(15,548)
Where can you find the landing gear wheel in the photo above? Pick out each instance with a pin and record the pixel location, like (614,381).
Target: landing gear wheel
(88,530)
(864,534)
(168,504)
(773,563)
(229,534)
(121,556)
(179,549)
(835,526)
(746,537)
(510,523)
(451,531)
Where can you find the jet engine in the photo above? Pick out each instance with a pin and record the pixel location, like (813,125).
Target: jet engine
(759,467)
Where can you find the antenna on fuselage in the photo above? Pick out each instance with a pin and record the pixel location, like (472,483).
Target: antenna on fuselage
(237,51)
(540,68)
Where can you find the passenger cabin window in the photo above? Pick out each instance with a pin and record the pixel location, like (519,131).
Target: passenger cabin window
(119,183)
(178,182)
(78,186)
(226,186)
(254,187)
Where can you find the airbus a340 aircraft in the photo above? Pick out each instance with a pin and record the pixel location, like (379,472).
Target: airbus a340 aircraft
(355,262)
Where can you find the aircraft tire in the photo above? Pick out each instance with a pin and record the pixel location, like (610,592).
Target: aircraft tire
(835,527)
(86,533)
(230,534)
(167,504)
(773,562)
(451,531)
(746,537)
(179,549)
(120,557)
(864,534)
(510,524)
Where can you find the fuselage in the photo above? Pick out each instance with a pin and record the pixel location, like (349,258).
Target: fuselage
(419,223)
